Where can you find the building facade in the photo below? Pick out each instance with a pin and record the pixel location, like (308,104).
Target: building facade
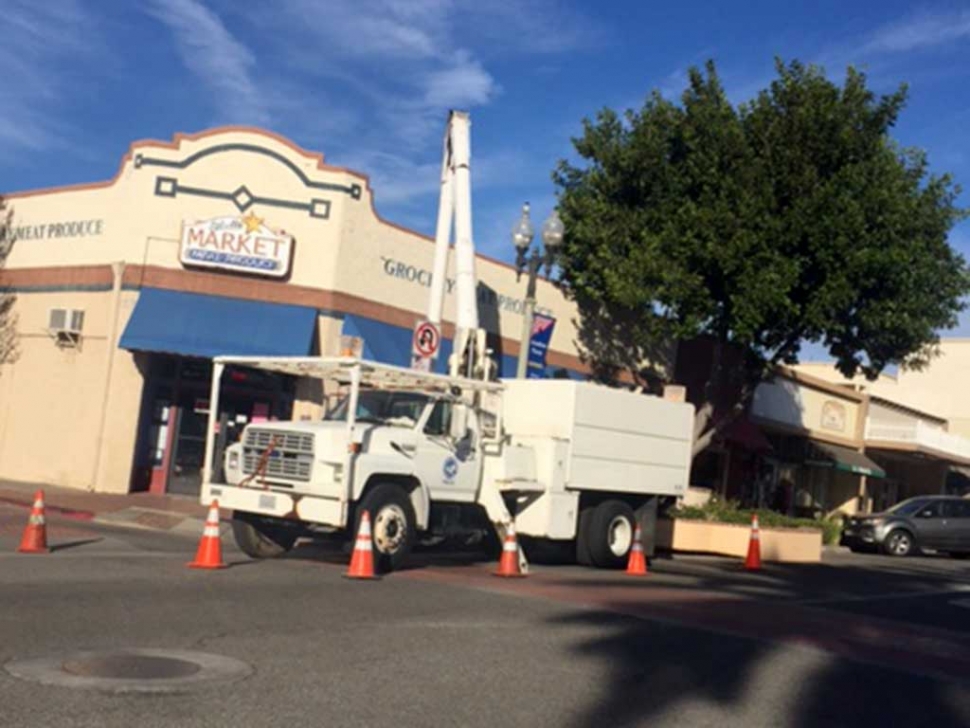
(232,241)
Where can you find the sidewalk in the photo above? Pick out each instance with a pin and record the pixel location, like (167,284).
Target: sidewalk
(175,513)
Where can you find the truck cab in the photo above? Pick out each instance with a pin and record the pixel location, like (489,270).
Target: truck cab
(409,455)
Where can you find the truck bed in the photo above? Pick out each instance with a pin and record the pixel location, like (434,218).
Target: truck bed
(616,440)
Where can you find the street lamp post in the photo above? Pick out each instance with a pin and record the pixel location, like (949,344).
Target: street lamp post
(530,262)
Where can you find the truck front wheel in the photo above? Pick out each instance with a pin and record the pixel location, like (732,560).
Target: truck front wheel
(393,525)
(608,534)
(260,538)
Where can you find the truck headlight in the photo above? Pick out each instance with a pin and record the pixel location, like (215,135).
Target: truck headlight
(232,460)
(330,470)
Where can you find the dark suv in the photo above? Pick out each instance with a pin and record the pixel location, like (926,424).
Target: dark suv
(937,522)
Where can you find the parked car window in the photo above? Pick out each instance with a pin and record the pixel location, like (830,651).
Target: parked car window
(908,507)
(930,509)
(957,509)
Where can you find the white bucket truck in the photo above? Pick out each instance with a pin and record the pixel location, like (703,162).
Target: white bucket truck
(439,456)
(434,456)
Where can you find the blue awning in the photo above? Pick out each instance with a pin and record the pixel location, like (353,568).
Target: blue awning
(192,324)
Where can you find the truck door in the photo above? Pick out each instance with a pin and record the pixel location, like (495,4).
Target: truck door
(449,463)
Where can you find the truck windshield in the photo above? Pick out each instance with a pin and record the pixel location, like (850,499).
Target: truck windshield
(383,406)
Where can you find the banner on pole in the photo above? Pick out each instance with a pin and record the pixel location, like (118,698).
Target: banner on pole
(542,327)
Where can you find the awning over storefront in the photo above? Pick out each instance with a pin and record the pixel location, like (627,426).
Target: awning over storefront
(748,435)
(824,455)
(191,324)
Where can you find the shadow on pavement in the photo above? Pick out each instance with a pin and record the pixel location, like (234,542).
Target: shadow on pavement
(74,544)
(660,670)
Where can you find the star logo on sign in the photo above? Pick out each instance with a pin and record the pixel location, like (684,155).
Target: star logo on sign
(252,222)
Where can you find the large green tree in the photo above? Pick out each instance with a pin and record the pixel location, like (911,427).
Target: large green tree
(790,218)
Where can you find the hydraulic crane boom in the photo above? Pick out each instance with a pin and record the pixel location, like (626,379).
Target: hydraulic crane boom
(455,208)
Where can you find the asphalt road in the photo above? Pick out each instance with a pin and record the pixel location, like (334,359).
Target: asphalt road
(855,641)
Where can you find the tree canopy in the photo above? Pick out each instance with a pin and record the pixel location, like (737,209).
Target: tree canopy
(791,218)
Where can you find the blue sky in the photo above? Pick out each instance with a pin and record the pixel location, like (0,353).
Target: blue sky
(369,82)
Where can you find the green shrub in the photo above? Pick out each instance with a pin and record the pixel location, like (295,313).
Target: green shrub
(726,511)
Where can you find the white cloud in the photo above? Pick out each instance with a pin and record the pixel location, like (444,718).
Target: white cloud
(210,51)
(920,31)
(36,40)
(463,84)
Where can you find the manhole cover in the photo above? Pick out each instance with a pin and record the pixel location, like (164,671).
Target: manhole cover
(143,667)
(136,670)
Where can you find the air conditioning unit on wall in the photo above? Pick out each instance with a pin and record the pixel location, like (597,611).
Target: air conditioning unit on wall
(65,326)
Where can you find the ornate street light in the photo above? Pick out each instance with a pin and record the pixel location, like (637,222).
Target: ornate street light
(530,262)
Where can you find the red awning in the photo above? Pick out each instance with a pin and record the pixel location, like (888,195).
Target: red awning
(743,433)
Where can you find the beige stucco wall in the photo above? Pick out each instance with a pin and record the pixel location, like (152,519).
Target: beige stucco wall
(140,227)
(796,405)
(51,398)
(941,389)
(880,414)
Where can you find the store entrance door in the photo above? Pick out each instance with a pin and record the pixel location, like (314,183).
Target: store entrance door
(177,414)
(188,447)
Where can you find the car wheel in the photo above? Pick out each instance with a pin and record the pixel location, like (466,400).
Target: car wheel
(393,525)
(899,543)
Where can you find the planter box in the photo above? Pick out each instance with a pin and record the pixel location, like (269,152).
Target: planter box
(792,545)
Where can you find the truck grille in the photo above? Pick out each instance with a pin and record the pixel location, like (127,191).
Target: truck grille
(292,459)
(285,441)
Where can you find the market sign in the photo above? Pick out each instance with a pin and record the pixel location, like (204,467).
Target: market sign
(241,244)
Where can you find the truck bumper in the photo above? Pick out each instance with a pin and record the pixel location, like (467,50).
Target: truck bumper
(295,506)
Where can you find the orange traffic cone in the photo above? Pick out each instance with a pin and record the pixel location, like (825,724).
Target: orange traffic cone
(209,553)
(362,560)
(508,565)
(637,564)
(34,540)
(753,560)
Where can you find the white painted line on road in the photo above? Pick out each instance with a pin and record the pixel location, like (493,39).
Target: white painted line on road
(955,589)
(965,603)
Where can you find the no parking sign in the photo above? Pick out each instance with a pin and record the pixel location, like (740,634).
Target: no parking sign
(426,343)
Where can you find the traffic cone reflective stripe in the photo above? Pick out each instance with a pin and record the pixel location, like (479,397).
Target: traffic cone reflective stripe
(362,560)
(209,553)
(508,565)
(637,563)
(753,560)
(34,539)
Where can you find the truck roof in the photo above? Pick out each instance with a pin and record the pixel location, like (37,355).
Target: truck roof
(340,370)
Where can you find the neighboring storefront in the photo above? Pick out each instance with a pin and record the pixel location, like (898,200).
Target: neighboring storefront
(798,450)
(230,241)
(918,425)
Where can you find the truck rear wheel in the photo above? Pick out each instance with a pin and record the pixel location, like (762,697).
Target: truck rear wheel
(608,534)
(260,538)
(393,525)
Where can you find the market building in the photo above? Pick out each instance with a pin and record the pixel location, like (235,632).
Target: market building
(232,241)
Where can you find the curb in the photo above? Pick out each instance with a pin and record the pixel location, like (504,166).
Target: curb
(150,519)
(61,511)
